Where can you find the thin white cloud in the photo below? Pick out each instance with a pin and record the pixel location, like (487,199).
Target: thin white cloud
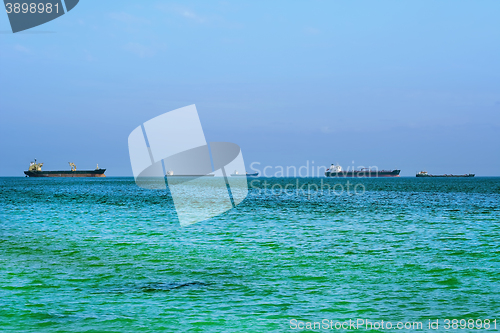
(21,48)
(182,11)
(326,129)
(128,18)
(140,50)
(89,57)
(312,31)
(193,16)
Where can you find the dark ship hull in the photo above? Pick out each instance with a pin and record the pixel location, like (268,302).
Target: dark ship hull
(445,176)
(364,173)
(79,173)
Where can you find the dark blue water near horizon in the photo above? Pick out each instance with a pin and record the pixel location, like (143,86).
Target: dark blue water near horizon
(103,255)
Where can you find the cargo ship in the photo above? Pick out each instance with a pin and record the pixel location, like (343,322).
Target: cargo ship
(425,174)
(35,170)
(171,174)
(336,171)
(237,174)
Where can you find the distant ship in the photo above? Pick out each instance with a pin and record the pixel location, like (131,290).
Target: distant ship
(237,174)
(171,174)
(35,170)
(336,171)
(425,174)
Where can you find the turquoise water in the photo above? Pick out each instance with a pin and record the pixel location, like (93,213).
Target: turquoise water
(96,255)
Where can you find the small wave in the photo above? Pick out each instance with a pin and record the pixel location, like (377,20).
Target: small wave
(161,286)
(150,287)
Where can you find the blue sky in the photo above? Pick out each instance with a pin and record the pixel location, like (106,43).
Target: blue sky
(412,85)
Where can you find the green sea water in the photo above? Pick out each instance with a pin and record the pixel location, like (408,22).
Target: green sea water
(103,255)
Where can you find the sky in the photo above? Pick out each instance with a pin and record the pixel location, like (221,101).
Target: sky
(412,85)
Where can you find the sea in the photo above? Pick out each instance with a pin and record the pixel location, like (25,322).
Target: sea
(104,255)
